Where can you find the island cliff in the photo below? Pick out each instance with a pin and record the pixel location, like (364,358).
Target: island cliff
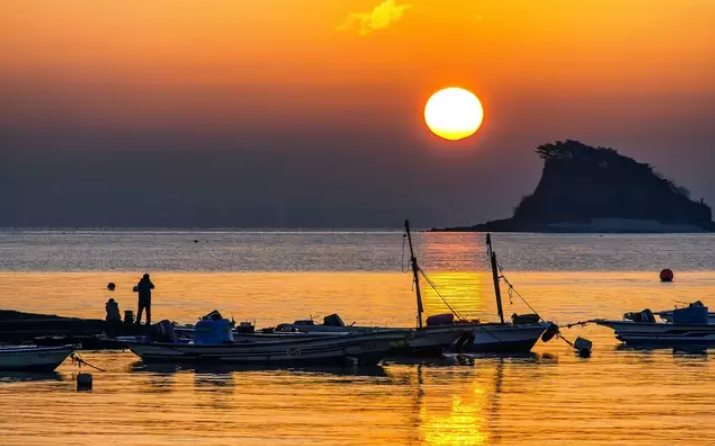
(588,189)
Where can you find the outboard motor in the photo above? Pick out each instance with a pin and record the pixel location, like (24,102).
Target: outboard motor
(162,332)
(646,316)
(333,320)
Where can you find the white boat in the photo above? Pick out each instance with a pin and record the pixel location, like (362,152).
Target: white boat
(34,358)
(689,327)
(358,348)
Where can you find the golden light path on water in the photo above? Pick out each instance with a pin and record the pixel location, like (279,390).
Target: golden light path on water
(551,398)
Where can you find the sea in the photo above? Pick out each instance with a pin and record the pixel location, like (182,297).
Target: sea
(552,397)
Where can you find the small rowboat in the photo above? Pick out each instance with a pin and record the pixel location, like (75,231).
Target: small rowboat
(34,358)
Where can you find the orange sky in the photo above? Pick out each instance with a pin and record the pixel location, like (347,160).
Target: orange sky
(353,75)
(495,47)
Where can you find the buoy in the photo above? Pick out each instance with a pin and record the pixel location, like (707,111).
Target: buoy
(84,381)
(667,275)
(583,346)
(111,286)
(196,241)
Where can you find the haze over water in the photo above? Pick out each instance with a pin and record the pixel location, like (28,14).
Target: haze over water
(552,398)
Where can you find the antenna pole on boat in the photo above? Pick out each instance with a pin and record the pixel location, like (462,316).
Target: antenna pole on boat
(415,273)
(495,275)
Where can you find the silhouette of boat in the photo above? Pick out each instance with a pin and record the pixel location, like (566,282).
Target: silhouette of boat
(33,358)
(353,348)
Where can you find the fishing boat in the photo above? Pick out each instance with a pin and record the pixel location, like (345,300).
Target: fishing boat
(33,358)
(214,343)
(687,327)
(518,336)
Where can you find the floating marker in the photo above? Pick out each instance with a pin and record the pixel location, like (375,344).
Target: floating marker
(667,275)
(583,347)
(84,381)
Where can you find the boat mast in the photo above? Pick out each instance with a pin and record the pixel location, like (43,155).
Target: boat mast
(495,275)
(415,273)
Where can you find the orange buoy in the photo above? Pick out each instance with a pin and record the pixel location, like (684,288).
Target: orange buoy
(667,275)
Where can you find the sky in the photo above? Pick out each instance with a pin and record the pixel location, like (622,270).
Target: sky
(247,113)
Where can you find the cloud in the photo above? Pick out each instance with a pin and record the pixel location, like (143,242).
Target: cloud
(380,17)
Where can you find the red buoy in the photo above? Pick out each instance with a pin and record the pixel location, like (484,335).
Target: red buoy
(667,275)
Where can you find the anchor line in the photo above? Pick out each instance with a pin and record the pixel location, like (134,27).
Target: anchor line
(514,290)
(80,362)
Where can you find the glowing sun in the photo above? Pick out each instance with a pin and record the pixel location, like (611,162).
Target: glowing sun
(454,113)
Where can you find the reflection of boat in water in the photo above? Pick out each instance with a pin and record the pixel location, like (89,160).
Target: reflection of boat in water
(688,328)
(34,358)
(222,369)
(20,376)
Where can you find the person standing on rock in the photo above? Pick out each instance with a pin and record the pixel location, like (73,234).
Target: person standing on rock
(144,288)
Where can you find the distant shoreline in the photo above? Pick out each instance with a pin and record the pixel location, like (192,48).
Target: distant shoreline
(592,226)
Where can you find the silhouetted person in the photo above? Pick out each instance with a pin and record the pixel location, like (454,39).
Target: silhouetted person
(113,315)
(113,319)
(144,288)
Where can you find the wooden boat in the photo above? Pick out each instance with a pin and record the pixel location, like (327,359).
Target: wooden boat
(34,358)
(689,327)
(360,348)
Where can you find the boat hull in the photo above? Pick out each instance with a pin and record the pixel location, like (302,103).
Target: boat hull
(432,341)
(36,359)
(427,341)
(366,349)
(663,335)
(505,338)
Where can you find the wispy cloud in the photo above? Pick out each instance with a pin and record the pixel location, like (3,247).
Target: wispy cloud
(380,17)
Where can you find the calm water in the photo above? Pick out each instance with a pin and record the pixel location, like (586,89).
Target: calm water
(553,398)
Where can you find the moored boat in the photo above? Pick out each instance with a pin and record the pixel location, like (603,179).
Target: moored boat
(688,327)
(518,336)
(358,348)
(33,358)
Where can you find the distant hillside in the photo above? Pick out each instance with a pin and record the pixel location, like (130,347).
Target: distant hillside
(587,189)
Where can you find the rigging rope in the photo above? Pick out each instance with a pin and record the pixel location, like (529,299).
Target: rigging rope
(434,287)
(514,290)
(76,359)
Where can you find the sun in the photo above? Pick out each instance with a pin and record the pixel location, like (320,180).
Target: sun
(454,113)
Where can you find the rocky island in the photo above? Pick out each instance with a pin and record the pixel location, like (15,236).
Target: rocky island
(595,189)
